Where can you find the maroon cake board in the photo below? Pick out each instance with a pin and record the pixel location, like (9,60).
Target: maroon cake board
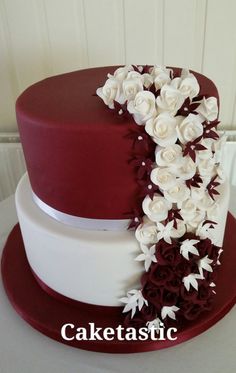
(48,314)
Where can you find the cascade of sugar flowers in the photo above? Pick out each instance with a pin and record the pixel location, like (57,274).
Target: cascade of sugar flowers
(181,203)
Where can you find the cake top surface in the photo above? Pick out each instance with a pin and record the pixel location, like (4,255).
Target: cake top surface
(70,99)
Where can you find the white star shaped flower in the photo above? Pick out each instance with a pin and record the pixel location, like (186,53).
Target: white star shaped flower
(165,231)
(187,247)
(148,256)
(169,311)
(133,300)
(204,231)
(204,263)
(154,324)
(191,280)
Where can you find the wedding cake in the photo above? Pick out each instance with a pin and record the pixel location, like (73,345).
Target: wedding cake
(124,203)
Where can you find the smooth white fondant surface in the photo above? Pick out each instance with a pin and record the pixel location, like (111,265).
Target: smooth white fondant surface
(96,267)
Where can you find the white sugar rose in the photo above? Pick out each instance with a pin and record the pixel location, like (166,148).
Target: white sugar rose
(180,231)
(219,144)
(197,220)
(213,212)
(205,202)
(161,79)
(206,179)
(208,108)
(189,128)
(122,72)
(187,209)
(143,107)
(186,169)
(170,99)
(221,174)
(178,193)
(163,177)
(189,85)
(131,86)
(161,76)
(206,166)
(147,80)
(157,208)
(157,69)
(146,233)
(169,156)
(197,193)
(109,92)
(205,154)
(162,129)
(218,147)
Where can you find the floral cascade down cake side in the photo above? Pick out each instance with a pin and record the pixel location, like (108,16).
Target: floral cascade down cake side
(176,158)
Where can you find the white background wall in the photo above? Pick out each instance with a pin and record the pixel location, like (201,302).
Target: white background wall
(39,38)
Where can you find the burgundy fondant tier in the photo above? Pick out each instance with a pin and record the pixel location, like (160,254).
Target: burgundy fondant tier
(77,150)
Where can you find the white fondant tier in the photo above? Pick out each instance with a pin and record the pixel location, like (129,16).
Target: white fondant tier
(96,267)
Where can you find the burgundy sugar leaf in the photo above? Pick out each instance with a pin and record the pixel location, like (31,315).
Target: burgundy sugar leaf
(211,187)
(143,166)
(174,215)
(145,69)
(210,125)
(142,143)
(148,188)
(213,191)
(200,147)
(199,98)
(178,216)
(194,182)
(210,135)
(135,67)
(136,218)
(121,109)
(188,107)
(192,146)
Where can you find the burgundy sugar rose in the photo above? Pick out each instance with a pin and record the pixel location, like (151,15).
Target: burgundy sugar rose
(147,313)
(136,322)
(193,264)
(167,254)
(214,254)
(211,276)
(183,268)
(153,294)
(174,285)
(143,145)
(204,247)
(168,298)
(192,311)
(188,295)
(204,293)
(160,274)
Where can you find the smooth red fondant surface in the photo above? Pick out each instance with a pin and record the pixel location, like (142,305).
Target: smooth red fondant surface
(47,314)
(76,148)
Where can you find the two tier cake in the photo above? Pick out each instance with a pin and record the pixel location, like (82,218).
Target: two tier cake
(124,204)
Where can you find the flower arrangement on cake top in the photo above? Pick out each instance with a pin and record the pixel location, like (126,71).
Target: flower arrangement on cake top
(176,155)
